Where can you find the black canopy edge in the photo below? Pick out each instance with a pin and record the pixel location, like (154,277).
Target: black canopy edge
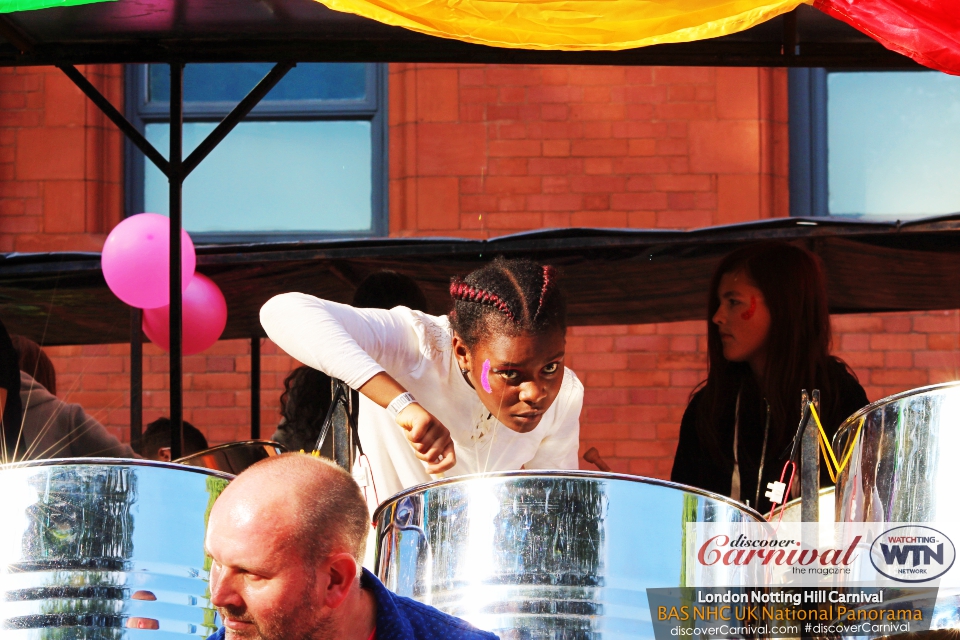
(163,31)
(611,276)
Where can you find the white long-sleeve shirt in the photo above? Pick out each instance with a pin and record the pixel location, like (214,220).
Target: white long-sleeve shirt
(416,350)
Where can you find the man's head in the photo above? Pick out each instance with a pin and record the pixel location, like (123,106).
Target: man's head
(155,444)
(286,538)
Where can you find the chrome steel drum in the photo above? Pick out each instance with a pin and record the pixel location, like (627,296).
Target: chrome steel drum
(561,554)
(233,457)
(97,549)
(905,467)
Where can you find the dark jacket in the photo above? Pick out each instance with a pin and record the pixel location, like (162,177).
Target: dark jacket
(53,428)
(401,618)
(12,410)
(698,466)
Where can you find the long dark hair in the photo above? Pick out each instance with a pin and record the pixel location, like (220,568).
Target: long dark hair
(303,405)
(798,344)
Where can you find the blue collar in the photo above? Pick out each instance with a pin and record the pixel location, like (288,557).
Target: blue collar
(400,618)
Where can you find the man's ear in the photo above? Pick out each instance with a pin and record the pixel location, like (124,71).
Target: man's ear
(462,353)
(163,454)
(342,570)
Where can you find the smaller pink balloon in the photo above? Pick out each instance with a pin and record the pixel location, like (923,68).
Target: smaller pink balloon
(204,317)
(136,260)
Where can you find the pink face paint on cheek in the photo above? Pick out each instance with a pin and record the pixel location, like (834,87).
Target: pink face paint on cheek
(746,315)
(485,376)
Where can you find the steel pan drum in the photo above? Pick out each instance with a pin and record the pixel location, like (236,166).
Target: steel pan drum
(560,554)
(100,549)
(233,457)
(905,467)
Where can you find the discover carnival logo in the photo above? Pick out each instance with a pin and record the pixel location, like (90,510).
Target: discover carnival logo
(912,553)
(743,551)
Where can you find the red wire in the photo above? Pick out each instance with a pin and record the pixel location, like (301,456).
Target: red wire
(793,472)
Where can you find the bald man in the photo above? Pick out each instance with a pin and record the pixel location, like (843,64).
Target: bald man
(286,538)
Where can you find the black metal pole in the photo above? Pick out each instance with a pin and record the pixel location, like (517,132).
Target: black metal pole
(234,117)
(176,293)
(255,388)
(122,123)
(136,378)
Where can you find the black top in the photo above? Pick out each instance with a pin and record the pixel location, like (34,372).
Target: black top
(10,380)
(697,466)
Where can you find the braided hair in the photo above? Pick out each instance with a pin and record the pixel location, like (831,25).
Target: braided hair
(507,296)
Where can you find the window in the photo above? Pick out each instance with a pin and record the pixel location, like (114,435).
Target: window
(309,160)
(878,144)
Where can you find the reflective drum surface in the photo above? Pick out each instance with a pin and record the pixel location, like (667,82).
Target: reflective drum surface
(233,457)
(905,467)
(544,555)
(102,549)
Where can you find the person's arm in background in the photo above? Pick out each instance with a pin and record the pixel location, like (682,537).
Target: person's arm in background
(89,438)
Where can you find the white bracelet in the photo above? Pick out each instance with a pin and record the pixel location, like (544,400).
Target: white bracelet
(400,403)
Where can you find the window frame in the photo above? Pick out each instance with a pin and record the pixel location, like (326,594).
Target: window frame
(807,123)
(808,140)
(373,109)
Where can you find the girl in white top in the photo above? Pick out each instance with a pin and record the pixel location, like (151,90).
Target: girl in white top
(481,389)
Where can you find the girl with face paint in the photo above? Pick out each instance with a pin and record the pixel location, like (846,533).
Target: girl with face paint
(768,337)
(483,388)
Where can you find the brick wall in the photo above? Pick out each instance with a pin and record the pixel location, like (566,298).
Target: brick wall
(61,160)
(487,150)
(216,383)
(481,151)
(639,377)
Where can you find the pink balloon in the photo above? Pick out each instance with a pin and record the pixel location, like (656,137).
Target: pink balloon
(136,260)
(204,317)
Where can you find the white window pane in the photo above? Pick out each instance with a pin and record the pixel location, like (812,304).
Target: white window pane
(894,143)
(271,176)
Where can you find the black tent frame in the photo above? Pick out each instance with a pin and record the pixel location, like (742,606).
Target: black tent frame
(804,37)
(176,168)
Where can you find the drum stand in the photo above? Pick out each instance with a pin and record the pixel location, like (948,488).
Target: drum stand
(341,424)
(810,472)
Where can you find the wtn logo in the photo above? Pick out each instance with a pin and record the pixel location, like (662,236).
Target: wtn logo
(900,554)
(912,553)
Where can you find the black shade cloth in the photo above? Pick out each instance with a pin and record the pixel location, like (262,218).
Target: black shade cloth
(13,409)
(610,276)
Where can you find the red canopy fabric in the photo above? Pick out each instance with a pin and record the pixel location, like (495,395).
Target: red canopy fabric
(928,31)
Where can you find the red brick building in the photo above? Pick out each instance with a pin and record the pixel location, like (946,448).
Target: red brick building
(479,151)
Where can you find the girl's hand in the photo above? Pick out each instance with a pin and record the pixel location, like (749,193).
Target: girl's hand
(430,440)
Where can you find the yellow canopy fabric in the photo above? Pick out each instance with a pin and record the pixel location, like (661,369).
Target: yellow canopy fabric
(570,25)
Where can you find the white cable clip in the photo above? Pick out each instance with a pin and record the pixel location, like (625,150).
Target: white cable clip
(775,491)
(361,474)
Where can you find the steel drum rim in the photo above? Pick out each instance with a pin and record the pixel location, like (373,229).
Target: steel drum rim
(116,462)
(562,473)
(873,406)
(231,445)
